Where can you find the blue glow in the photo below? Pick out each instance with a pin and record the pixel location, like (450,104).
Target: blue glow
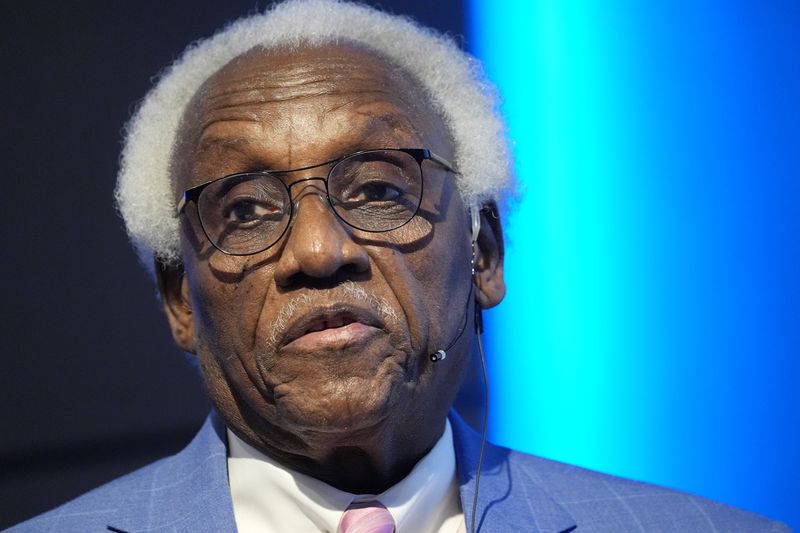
(652,323)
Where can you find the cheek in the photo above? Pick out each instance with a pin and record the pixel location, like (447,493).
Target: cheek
(227,321)
(430,281)
(226,313)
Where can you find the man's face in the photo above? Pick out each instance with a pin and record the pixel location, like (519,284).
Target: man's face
(322,340)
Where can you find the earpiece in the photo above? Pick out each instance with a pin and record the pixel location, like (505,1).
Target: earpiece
(475,215)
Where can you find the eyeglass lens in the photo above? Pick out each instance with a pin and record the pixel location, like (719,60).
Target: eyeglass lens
(373,191)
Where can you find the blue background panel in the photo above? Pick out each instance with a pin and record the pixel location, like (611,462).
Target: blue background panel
(652,323)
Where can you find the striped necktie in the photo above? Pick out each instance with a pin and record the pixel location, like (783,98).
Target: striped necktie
(366,517)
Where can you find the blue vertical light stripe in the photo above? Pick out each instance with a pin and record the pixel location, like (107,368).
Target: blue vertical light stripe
(652,324)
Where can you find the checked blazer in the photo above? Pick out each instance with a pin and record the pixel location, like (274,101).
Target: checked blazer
(188,492)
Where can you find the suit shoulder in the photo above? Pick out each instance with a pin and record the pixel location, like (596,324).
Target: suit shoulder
(603,502)
(180,489)
(91,511)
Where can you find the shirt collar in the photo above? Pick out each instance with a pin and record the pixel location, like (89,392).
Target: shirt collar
(261,487)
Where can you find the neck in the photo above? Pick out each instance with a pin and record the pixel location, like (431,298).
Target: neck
(366,462)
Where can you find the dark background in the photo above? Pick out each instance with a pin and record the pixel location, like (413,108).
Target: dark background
(91,385)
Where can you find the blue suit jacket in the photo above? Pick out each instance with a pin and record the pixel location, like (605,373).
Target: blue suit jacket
(188,492)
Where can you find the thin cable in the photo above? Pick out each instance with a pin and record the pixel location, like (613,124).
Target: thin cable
(479,331)
(439,355)
(466,315)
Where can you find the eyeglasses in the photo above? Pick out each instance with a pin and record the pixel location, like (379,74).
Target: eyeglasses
(371,190)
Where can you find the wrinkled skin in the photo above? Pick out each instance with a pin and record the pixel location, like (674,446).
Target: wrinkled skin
(356,403)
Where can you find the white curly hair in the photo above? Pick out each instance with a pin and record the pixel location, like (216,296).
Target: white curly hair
(452,79)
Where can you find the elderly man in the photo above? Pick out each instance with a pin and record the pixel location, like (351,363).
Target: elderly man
(315,190)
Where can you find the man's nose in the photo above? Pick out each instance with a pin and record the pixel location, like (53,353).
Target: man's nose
(318,244)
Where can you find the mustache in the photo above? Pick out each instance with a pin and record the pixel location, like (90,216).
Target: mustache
(348,291)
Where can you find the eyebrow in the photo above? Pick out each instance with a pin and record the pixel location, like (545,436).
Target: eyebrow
(219,141)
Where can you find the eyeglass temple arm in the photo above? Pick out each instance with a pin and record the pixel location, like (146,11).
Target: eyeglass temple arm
(180,205)
(442,161)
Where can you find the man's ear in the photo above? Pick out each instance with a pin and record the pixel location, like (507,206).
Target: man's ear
(174,289)
(489,282)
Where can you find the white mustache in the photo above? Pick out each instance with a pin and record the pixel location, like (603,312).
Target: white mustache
(348,291)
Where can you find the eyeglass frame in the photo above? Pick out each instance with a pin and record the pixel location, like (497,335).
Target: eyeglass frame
(419,154)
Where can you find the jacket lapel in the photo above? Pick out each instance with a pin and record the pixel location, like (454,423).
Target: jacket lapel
(508,497)
(186,492)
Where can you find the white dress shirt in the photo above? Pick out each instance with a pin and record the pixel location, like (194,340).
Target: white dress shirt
(270,498)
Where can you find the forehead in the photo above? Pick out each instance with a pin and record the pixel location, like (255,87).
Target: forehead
(293,105)
(288,73)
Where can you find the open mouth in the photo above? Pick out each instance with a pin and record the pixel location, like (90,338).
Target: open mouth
(331,328)
(329,323)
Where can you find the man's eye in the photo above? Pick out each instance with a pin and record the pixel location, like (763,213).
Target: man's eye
(376,191)
(247,211)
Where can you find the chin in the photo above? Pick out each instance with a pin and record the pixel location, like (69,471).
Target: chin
(339,391)
(343,407)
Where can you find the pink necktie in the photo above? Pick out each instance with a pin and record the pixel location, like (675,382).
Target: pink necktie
(366,517)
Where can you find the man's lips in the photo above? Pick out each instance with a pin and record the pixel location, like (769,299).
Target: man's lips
(333,338)
(331,328)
